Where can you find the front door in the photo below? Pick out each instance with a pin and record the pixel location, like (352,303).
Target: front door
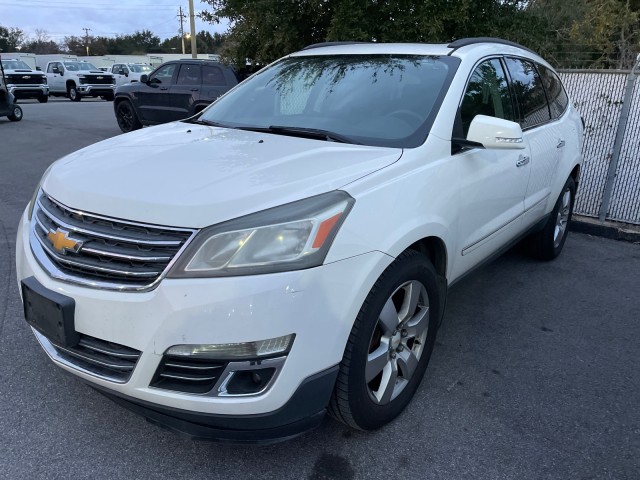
(491,183)
(153,99)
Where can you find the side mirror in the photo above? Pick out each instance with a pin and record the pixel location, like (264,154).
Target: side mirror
(38,69)
(144,78)
(55,70)
(495,133)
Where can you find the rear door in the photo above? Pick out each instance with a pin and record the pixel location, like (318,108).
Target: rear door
(538,130)
(153,99)
(186,91)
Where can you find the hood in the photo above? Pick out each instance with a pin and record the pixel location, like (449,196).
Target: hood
(187,175)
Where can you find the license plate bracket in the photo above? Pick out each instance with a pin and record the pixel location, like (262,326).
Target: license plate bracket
(49,312)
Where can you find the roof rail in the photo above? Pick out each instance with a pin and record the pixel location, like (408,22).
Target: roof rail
(329,44)
(463,42)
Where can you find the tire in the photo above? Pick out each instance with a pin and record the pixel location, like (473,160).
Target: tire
(108,98)
(126,117)
(73,93)
(393,335)
(547,244)
(43,99)
(16,114)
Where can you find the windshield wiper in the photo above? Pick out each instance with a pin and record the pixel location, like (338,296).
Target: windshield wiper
(314,133)
(209,123)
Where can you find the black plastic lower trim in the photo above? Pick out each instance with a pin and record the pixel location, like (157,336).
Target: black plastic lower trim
(304,411)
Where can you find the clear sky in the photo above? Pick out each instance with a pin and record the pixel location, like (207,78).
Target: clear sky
(105,18)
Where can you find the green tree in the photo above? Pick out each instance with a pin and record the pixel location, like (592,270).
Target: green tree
(611,28)
(265,30)
(40,44)
(10,38)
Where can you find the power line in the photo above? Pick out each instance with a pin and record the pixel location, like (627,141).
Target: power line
(91,6)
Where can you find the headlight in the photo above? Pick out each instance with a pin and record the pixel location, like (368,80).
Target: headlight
(44,80)
(35,194)
(290,237)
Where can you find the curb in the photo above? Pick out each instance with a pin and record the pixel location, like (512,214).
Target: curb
(608,229)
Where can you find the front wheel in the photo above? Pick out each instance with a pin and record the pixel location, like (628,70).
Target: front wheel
(547,244)
(126,117)
(74,95)
(16,114)
(389,346)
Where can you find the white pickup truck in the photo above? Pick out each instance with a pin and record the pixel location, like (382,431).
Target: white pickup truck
(76,79)
(23,81)
(129,72)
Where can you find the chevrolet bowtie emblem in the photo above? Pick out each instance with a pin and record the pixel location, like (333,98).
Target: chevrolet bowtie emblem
(100,78)
(62,243)
(26,77)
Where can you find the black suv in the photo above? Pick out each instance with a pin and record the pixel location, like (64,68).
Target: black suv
(173,91)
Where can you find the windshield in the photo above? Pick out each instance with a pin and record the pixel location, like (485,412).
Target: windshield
(140,68)
(15,65)
(383,100)
(77,66)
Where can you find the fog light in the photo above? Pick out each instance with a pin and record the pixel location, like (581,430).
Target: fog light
(234,351)
(247,382)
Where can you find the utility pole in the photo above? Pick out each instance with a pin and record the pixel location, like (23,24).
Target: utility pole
(192,20)
(182,16)
(86,39)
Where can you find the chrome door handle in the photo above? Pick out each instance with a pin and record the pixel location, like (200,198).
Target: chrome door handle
(195,89)
(164,88)
(560,144)
(522,161)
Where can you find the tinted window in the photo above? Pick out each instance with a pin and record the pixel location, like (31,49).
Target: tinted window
(213,76)
(163,74)
(384,100)
(487,94)
(189,75)
(558,99)
(532,100)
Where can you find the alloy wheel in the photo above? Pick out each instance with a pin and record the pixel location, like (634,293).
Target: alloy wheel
(397,342)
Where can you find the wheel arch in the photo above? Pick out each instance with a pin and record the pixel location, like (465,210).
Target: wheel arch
(70,83)
(435,250)
(575,174)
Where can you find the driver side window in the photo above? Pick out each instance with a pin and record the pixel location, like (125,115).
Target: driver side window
(487,93)
(163,74)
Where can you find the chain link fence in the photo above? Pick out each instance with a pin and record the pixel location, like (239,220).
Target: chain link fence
(609,102)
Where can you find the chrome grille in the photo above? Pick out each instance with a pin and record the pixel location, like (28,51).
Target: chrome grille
(113,254)
(105,359)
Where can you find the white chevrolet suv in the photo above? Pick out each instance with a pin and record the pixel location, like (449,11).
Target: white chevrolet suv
(287,251)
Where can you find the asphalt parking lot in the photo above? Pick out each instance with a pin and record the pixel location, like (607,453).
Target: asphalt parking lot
(535,374)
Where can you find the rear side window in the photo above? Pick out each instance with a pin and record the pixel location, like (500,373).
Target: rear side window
(529,91)
(189,75)
(213,76)
(487,93)
(558,99)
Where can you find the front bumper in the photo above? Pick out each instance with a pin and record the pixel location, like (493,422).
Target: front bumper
(96,90)
(305,410)
(29,91)
(318,305)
